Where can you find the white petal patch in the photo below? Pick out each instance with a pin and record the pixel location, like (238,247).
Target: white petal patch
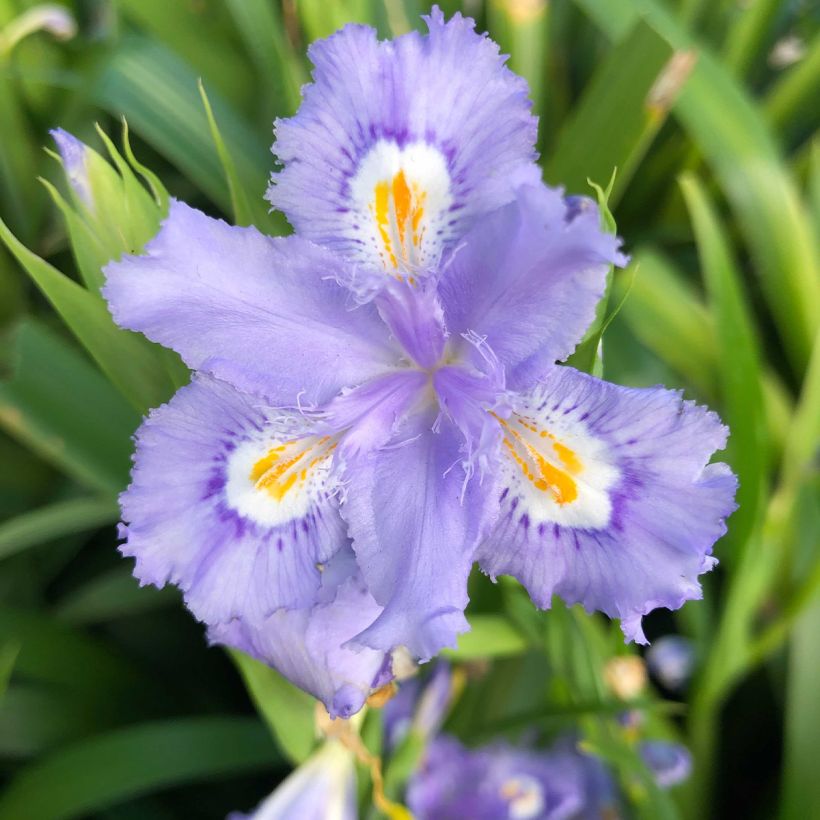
(272,481)
(558,471)
(400,206)
(525,796)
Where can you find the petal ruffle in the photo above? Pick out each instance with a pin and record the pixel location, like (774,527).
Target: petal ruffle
(607,497)
(526,280)
(263,314)
(415,527)
(399,145)
(232,502)
(308,646)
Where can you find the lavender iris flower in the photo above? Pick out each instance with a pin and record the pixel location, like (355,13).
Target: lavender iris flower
(498,782)
(503,782)
(345,454)
(400,146)
(419,707)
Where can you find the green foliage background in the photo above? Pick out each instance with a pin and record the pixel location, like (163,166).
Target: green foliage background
(112,706)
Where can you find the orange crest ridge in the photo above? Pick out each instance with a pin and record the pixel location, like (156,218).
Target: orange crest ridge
(289,464)
(547,472)
(398,209)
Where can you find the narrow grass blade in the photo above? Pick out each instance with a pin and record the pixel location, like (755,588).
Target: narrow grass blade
(57,404)
(738,360)
(287,711)
(668,317)
(490,636)
(114,594)
(131,363)
(200,33)
(281,72)
(18,163)
(748,35)
(55,521)
(790,103)
(244,213)
(157,93)
(136,760)
(731,132)
(620,101)
(321,19)
(59,656)
(522,31)
(801,786)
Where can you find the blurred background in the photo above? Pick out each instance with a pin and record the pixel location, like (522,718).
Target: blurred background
(112,705)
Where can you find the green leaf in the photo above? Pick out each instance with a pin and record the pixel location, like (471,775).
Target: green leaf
(9,650)
(108,769)
(55,654)
(789,101)
(749,35)
(18,162)
(35,718)
(57,404)
(243,212)
(738,361)
(133,365)
(666,315)
(321,19)
(586,355)
(55,521)
(281,72)
(490,636)
(200,33)
(157,93)
(801,786)
(522,31)
(289,712)
(730,131)
(90,254)
(114,594)
(626,100)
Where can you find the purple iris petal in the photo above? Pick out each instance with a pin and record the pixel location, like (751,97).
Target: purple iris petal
(371,414)
(263,314)
(471,400)
(671,660)
(419,706)
(323,787)
(414,316)
(527,282)
(74,155)
(496,782)
(670,763)
(195,519)
(440,109)
(309,646)
(608,500)
(415,528)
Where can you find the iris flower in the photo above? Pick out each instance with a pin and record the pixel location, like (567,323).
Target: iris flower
(376,404)
(518,783)
(502,781)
